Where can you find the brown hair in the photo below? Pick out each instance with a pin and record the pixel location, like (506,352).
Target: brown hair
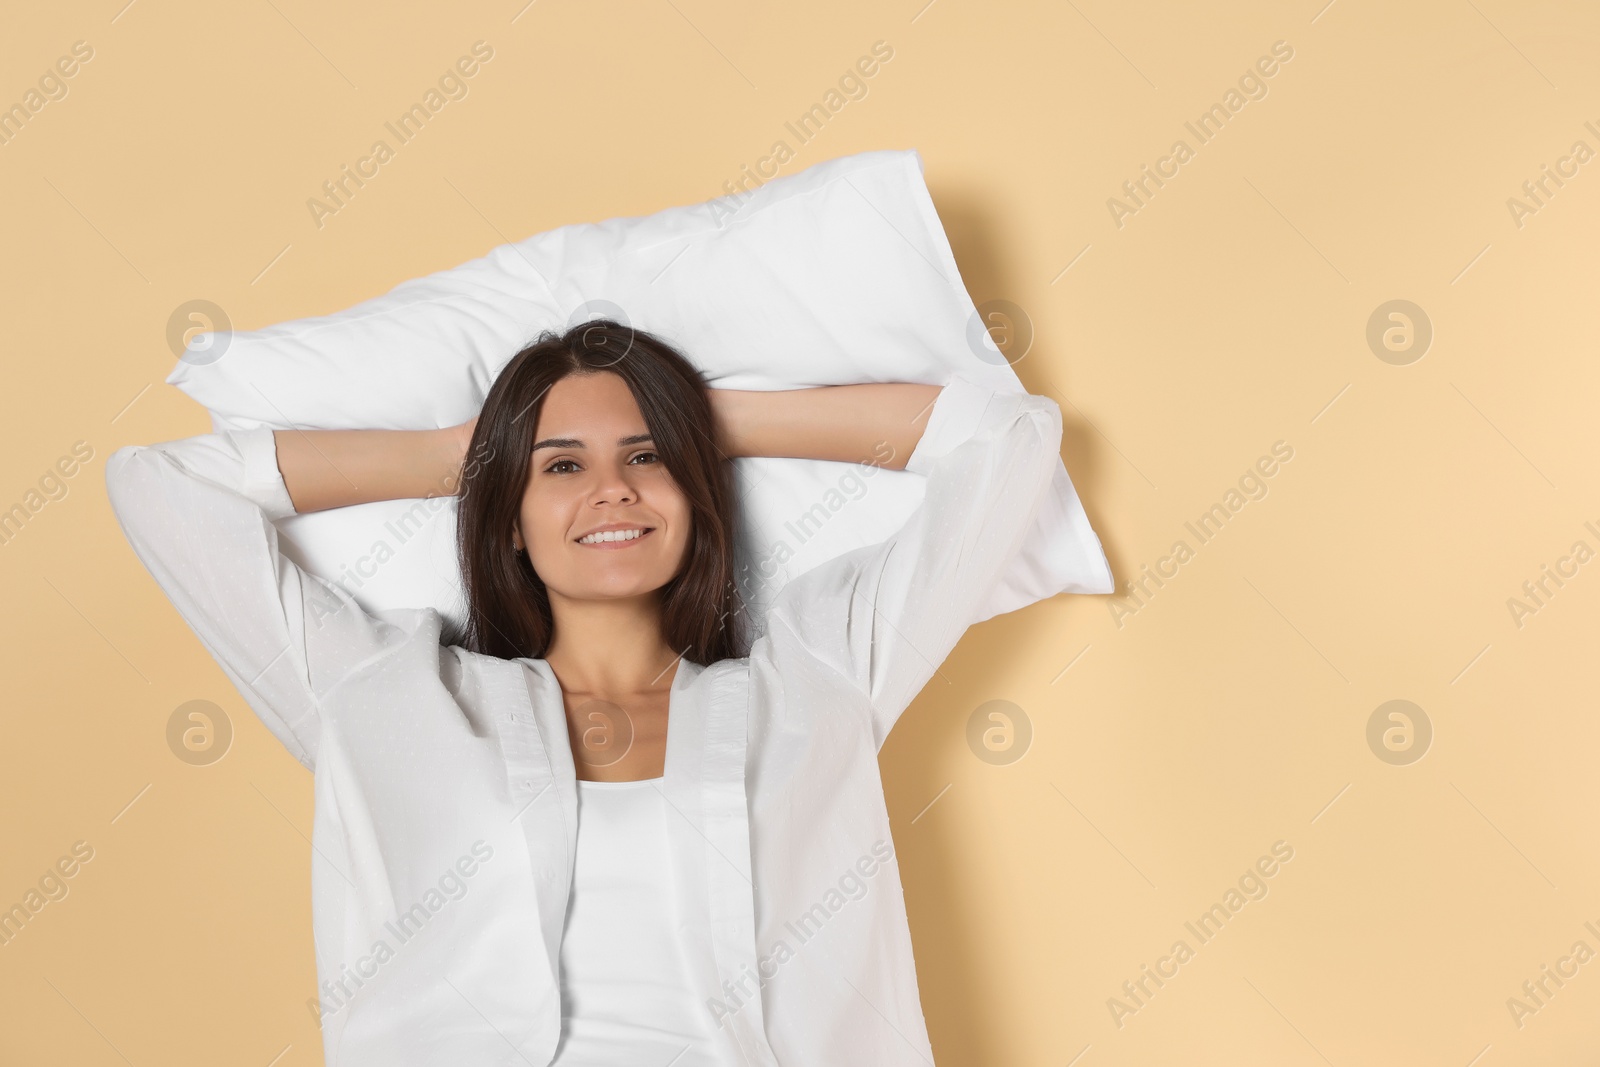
(508,608)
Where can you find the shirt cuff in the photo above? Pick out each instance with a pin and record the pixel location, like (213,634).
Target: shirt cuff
(955,418)
(263,482)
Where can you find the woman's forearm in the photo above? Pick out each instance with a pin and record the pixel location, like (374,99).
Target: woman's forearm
(875,422)
(333,468)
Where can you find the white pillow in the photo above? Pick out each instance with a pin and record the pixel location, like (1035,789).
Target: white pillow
(838,274)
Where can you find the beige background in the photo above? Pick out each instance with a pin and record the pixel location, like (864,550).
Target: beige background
(1228,313)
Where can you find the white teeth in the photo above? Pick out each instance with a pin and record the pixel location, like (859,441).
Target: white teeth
(611,535)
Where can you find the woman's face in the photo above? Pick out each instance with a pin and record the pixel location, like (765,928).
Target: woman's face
(594,465)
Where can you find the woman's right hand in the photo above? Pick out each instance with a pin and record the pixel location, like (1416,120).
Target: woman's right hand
(461,442)
(463,435)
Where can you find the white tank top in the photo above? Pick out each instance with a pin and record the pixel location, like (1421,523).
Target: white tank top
(625,995)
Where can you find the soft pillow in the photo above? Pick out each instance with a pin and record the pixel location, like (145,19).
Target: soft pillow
(838,274)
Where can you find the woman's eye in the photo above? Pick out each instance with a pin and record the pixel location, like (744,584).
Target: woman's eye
(651,458)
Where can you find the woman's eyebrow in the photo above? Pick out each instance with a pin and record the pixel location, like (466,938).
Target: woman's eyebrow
(573,442)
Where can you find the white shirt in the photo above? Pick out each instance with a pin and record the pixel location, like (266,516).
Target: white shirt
(626,994)
(444,788)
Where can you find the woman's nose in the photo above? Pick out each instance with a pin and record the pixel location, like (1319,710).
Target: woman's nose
(612,486)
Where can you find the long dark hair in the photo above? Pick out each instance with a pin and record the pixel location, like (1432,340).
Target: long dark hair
(508,607)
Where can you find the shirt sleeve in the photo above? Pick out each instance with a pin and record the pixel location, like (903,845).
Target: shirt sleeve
(885,616)
(198,513)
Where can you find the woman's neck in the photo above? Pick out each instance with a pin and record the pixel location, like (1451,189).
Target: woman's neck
(608,648)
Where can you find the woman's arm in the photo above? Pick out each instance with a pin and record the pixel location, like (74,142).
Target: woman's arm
(333,468)
(198,513)
(839,422)
(884,616)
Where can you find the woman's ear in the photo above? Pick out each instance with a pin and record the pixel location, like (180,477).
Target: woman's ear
(516,539)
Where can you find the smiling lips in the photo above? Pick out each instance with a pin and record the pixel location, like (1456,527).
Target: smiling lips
(616,538)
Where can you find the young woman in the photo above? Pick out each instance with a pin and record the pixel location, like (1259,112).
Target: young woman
(596,828)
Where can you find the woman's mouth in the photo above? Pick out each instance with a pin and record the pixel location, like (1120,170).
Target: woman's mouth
(616,538)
